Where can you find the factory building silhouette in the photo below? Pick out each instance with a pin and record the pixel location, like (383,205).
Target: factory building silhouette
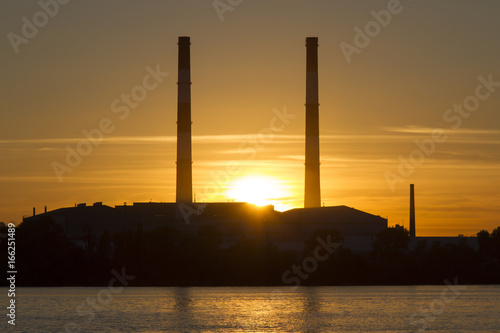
(236,220)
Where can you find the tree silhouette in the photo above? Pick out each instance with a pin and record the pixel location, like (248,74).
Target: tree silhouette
(392,239)
(166,256)
(390,260)
(45,256)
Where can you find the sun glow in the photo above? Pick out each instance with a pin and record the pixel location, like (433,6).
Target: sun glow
(261,191)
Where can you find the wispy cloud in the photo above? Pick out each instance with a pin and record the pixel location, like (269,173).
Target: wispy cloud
(116,140)
(237,138)
(31,179)
(386,134)
(428,130)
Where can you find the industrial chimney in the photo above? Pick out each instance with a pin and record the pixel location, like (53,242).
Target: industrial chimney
(312,195)
(184,160)
(412,210)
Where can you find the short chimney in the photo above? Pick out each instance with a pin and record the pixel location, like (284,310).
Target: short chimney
(412,210)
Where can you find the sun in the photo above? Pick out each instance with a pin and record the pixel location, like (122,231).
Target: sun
(261,191)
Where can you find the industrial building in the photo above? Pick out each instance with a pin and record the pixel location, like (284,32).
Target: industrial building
(237,221)
(287,230)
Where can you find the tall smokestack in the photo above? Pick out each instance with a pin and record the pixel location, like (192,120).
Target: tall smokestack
(184,160)
(312,195)
(412,210)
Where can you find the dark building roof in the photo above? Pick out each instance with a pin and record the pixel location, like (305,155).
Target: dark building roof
(345,219)
(234,219)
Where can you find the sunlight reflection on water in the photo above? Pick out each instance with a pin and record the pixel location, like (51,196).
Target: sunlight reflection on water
(254,309)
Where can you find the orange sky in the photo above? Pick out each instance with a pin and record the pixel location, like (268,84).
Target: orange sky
(245,69)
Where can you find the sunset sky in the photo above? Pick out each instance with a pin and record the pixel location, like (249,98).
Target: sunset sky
(248,66)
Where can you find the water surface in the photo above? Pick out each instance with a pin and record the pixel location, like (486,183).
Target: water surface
(259,309)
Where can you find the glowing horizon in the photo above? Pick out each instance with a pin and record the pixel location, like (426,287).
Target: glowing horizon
(259,190)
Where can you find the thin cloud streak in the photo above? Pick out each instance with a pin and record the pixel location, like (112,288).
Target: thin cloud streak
(457,136)
(429,130)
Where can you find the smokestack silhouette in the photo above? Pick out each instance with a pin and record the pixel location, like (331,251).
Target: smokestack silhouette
(312,195)
(412,210)
(184,157)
